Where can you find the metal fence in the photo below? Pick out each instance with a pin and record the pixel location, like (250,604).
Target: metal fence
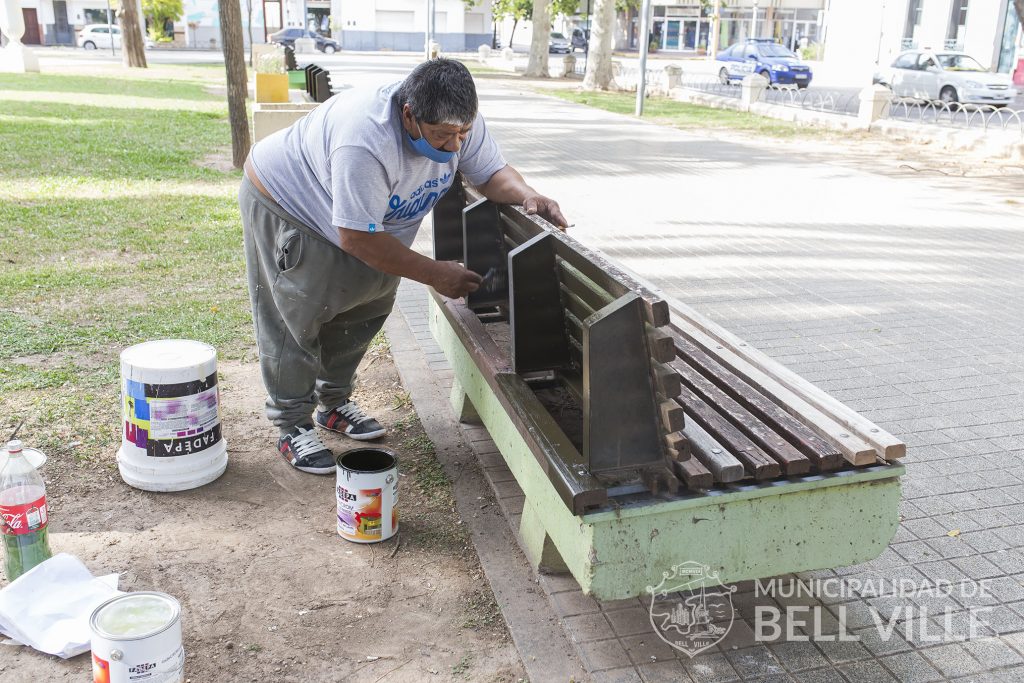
(828,101)
(984,117)
(845,103)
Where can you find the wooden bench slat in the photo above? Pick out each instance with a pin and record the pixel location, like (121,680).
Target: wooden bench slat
(758,463)
(825,456)
(693,473)
(854,449)
(793,461)
(888,445)
(713,455)
(582,286)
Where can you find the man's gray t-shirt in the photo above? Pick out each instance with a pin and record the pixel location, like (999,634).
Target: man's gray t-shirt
(348,163)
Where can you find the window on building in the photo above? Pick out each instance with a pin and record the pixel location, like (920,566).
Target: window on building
(957,25)
(913,24)
(97,16)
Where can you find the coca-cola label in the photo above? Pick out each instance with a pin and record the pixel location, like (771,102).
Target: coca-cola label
(23,519)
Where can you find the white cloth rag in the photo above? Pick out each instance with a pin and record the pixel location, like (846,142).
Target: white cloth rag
(48,607)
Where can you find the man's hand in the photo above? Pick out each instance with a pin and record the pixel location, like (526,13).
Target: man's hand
(546,208)
(453,281)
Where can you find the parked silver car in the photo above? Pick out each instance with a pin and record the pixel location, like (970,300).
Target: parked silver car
(947,77)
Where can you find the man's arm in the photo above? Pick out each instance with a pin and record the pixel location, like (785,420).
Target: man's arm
(508,187)
(385,253)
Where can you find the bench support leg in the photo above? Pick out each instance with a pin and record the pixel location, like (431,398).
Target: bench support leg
(464,410)
(540,550)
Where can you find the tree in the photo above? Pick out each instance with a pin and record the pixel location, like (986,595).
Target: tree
(133,48)
(1019,6)
(517,10)
(599,75)
(159,12)
(537,67)
(234,64)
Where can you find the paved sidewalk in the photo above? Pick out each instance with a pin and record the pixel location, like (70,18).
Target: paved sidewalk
(898,295)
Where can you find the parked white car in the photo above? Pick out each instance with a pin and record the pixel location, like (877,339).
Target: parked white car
(95,36)
(947,77)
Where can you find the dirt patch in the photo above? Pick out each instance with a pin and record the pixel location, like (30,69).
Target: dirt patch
(269,591)
(219,160)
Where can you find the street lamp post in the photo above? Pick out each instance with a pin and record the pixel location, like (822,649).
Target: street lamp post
(110,27)
(644,45)
(753,22)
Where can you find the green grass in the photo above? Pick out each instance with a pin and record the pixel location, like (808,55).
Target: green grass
(685,116)
(111,233)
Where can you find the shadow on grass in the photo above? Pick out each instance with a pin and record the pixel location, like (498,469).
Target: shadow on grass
(93,85)
(100,142)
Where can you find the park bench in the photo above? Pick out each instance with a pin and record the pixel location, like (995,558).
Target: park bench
(641,433)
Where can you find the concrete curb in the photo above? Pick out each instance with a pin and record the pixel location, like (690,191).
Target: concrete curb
(536,631)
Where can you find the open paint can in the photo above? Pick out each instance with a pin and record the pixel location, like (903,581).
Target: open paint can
(170,402)
(137,637)
(367,495)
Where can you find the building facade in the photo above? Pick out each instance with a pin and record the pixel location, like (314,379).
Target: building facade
(863,33)
(685,25)
(401,24)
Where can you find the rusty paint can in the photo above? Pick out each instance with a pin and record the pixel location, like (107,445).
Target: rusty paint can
(367,490)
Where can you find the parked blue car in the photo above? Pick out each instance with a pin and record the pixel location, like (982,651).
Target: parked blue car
(763,56)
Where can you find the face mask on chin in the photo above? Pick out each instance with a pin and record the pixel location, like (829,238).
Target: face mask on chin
(424,148)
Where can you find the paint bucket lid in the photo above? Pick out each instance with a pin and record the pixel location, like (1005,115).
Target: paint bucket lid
(368,460)
(168,354)
(135,616)
(34,457)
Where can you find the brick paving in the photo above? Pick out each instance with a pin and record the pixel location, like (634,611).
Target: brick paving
(899,296)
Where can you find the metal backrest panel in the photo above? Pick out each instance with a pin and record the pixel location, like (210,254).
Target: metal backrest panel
(537,317)
(620,423)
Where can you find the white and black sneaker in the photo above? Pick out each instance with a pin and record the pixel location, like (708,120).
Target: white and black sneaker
(349,420)
(304,451)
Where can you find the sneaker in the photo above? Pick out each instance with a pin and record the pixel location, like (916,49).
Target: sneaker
(304,451)
(349,420)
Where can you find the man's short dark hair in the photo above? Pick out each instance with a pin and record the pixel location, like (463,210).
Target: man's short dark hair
(440,91)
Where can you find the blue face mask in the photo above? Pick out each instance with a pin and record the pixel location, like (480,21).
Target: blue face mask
(424,148)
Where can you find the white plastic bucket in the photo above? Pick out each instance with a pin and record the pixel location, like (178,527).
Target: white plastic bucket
(172,438)
(137,637)
(367,495)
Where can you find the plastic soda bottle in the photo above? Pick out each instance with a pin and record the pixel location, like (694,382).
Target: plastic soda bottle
(23,514)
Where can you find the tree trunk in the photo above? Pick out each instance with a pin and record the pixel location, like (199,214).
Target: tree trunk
(599,75)
(133,48)
(512,36)
(234,64)
(537,67)
(1019,6)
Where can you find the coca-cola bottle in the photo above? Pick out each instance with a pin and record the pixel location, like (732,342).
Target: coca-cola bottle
(23,514)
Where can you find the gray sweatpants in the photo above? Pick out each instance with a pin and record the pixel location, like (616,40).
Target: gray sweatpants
(315,310)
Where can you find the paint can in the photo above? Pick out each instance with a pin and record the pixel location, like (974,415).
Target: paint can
(172,438)
(367,495)
(137,637)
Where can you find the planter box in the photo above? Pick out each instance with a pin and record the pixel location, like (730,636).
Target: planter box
(271,87)
(297,80)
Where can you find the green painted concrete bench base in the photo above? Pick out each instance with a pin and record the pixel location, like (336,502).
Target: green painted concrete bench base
(742,532)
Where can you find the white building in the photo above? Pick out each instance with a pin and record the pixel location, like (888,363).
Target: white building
(863,33)
(401,24)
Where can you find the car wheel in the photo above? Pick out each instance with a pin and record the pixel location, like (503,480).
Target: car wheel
(766,75)
(89,45)
(801,86)
(723,76)
(329,49)
(948,95)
